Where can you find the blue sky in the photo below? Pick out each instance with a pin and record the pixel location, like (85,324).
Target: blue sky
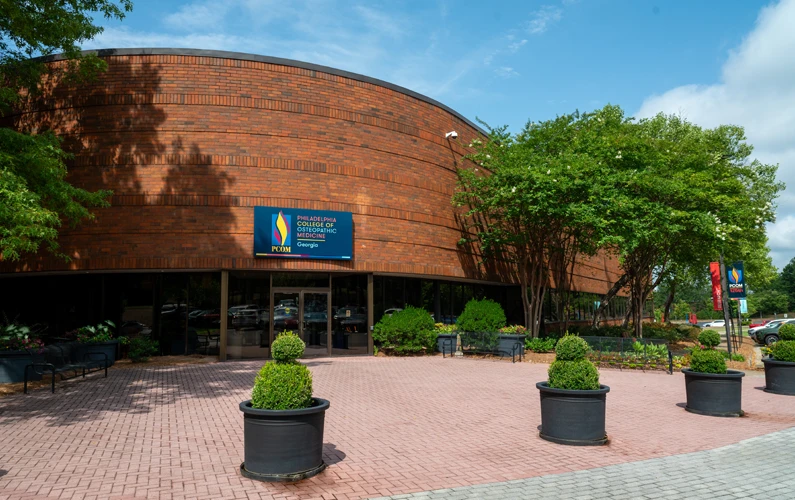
(511,61)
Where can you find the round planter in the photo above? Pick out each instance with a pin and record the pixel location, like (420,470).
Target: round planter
(109,348)
(283,445)
(12,367)
(508,341)
(445,342)
(573,417)
(779,376)
(714,394)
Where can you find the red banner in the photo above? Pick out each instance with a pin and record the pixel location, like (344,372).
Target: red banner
(717,296)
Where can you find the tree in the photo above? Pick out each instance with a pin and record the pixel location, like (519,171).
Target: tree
(531,200)
(685,195)
(35,197)
(786,282)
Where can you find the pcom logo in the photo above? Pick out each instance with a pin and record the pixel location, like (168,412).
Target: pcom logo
(280,238)
(735,277)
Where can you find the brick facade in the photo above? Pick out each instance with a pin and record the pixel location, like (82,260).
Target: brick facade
(189,144)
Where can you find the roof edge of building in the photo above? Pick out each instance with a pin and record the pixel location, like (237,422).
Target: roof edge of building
(242,56)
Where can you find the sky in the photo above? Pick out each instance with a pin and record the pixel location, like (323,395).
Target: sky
(714,62)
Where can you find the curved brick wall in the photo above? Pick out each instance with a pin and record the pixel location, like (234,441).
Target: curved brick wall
(190,143)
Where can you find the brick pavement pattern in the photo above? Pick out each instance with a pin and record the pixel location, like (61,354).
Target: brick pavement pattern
(742,470)
(395,426)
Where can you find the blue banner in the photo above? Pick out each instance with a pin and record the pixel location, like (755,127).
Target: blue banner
(302,234)
(736,276)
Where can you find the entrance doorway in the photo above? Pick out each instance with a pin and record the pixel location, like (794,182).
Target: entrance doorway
(306,312)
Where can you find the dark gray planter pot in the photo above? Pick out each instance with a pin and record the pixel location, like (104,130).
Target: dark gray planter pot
(12,367)
(714,394)
(109,348)
(447,341)
(508,341)
(779,376)
(283,445)
(573,417)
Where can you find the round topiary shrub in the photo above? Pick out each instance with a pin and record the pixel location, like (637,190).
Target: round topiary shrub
(707,360)
(287,347)
(571,348)
(282,385)
(481,316)
(408,331)
(571,370)
(783,350)
(579,375)
(787,332)
(709,338)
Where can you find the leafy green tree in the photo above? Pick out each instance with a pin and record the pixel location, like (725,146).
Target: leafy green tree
(768,302)
(685,195)
(35,196)
(786,282)
(530,200)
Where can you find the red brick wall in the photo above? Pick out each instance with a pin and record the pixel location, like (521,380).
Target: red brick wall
(190,144)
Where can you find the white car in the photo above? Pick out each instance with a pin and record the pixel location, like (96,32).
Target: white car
(714,323)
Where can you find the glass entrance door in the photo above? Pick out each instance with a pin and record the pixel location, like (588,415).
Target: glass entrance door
(315,325)
(305,312)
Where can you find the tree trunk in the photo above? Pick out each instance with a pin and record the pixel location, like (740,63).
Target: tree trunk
(628,314)
(669,301)
(617,286)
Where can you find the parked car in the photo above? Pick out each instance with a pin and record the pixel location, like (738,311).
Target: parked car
(761,323)
(768,335)
(715,323)
(134,329)
(769,324)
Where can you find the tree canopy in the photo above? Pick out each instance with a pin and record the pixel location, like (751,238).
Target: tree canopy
(35,196)
(660,194)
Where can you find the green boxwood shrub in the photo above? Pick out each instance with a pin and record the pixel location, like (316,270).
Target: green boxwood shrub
(540,345)
(481,316)
(707,360)
(571,348)
(408,331)
(282,385)
(571,370)
(784,350)
(573,375)
(141,349)
(787,332)
(709,338)
(287,347)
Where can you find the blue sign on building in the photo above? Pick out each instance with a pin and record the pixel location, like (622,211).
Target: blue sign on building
(302,234)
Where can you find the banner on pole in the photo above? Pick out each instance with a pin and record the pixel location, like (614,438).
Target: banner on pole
(736,276)
(717,296)
(743,306)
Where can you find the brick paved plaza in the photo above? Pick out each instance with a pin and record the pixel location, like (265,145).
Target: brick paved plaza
(395,426)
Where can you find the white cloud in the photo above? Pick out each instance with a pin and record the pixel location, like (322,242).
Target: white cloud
(505,72)
(204,15)
(756,91)
(515,46)
(543,18)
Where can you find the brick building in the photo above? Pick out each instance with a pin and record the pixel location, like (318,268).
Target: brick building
(191,141)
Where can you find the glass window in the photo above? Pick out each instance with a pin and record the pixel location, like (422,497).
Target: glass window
(307,280)
(248,316)
(349,329)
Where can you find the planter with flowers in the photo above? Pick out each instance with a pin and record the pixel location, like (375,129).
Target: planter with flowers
(16,343)
(446,338)
(98,338)
(573,402)
(711,388)
(780,367)
(282,422)
(512,339)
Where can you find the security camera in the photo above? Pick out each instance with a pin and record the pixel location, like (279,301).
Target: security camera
(451,135)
